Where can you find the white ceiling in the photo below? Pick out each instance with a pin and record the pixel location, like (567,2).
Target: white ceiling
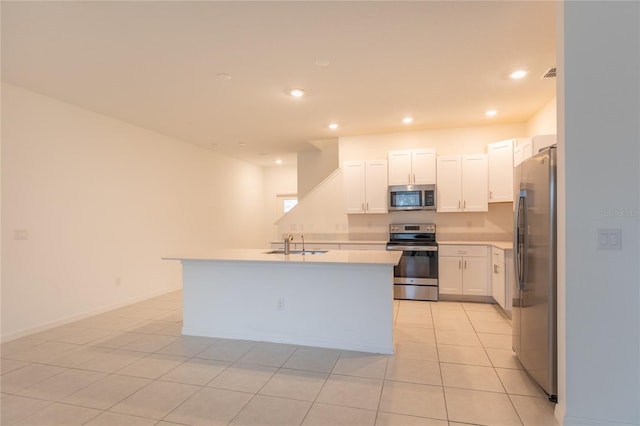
(155,64)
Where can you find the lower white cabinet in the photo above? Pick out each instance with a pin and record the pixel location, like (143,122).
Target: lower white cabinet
(498,277)
(462,270)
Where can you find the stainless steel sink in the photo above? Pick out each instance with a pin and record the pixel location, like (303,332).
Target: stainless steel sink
(304,252)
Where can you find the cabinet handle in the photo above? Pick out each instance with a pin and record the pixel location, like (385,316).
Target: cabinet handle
(414,178)
(495,269)
(464,204)
(363,207)
(367,206)
(458,203)
(459,264)
(491,195)
(409,177)
(465,264)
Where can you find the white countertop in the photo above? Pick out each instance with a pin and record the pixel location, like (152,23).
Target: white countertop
(362,257)
(299,241)
(504,245)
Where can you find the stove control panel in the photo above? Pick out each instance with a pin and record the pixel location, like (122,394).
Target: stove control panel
(399,228)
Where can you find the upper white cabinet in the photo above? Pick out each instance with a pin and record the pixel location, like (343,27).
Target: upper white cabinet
(412,167)
(522,151)
(365,186)
(463,183)
(501,171)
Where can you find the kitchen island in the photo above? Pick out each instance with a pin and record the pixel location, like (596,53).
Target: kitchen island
(340,299)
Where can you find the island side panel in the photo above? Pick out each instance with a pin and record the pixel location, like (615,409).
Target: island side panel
(341,306)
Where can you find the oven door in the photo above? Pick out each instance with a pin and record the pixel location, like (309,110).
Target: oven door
(418,265)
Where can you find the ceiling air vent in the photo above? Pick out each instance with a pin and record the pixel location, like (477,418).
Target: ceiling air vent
(551,73)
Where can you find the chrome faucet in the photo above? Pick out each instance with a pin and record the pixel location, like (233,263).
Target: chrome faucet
(287,244)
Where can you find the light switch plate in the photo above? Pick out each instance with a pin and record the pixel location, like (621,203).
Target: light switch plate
(610,239)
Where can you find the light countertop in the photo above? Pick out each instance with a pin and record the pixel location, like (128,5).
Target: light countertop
(364,242)
(504,245)
(361,257)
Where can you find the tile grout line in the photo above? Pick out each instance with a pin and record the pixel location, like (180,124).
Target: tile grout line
(444,395)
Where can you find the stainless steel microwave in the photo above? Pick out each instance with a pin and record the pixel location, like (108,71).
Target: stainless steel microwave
(412,197)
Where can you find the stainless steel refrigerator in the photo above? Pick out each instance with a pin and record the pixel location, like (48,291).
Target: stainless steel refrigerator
(534,316)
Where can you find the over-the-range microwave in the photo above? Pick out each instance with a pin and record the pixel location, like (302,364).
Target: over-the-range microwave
(412,197)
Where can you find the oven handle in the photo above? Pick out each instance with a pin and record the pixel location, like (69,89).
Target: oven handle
(412,248)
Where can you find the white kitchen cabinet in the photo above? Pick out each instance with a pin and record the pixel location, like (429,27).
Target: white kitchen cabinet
(500,171)
(522,151)
(412,167)
(498,275)
(365,186)
(462,270)
(463,183)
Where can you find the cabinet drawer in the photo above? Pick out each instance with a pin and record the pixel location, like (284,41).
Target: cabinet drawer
(461,250)
(498,255)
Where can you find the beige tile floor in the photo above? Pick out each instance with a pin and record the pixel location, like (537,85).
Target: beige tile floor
(453,366)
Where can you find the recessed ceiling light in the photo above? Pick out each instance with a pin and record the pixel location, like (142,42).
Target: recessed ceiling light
(407,120)
(333,126)
(322,63)
(242,144)
(518,74)
(223,76)
(491,113)
(278,161)
(297,93)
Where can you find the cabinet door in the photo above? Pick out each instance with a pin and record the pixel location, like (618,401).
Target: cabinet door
(527,148)
(517,155)
(423,166)
(376,187)
(475,183)
(399,167)
(449,183)
(498,276)
(501,171)
(474,276)
(354,184)
(450,274)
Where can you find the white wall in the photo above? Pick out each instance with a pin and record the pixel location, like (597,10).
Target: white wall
(320,214)
(277,181)
(315,166)
(545,121)
(102,202)
(600,142)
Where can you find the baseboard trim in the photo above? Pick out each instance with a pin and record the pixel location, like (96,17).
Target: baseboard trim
(86,314)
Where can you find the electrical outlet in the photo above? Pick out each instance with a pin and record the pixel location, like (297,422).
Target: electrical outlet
(21,234)
(609,239)
(281,304)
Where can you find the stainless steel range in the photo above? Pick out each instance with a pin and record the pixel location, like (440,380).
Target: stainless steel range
(416,275)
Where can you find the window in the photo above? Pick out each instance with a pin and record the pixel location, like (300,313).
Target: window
(288,204)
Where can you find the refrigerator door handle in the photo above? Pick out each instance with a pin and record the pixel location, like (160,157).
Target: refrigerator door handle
(520,235)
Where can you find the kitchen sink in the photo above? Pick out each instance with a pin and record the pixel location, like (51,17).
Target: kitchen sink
(305,252)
